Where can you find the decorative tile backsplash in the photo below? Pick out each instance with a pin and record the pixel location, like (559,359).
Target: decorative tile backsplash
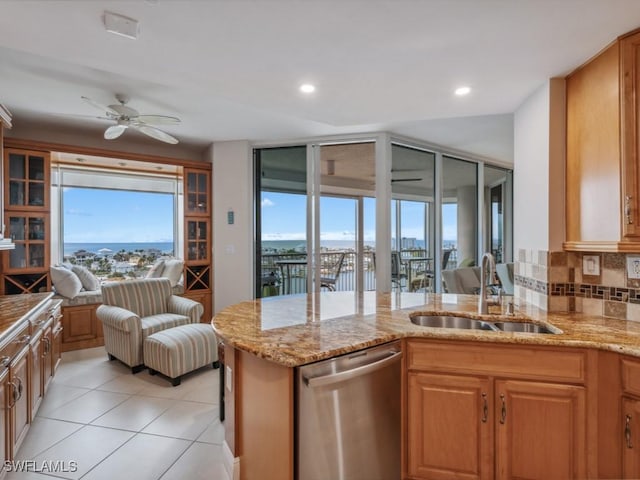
(554,281)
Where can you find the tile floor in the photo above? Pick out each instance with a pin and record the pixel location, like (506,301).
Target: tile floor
(113,424)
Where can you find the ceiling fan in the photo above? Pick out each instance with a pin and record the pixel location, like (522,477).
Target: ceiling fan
(126,117)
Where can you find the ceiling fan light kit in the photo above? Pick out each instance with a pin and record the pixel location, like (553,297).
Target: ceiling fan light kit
(126,117)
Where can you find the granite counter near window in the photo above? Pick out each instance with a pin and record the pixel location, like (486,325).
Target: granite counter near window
(300,329)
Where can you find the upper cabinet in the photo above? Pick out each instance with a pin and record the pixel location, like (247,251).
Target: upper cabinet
(27,180)
(197,192)
(603,171)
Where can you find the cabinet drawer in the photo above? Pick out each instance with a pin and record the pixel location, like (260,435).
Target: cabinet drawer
(515,361)
(630,376)
(16,342)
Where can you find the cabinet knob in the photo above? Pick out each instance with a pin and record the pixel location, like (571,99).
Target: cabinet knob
(627,431)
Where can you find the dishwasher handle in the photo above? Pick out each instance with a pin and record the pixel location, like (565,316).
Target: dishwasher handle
(353,373)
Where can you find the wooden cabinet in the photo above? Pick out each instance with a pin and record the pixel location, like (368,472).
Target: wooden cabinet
(540,430)
(25,269)
(198,272)
(36,371)
(56,345)
(204,298)
(4,430)
(603,170)
(81,328)
(475,408)
(18,394)
(450,433)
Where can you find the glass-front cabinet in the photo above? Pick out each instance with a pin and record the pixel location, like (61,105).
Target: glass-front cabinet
(27,175)
(25,269)
(198,240)
(197,192)
(29,233)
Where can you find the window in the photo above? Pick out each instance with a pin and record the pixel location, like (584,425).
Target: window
(115,223)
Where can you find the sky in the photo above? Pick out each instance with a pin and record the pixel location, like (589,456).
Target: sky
(284,218)
(94,215)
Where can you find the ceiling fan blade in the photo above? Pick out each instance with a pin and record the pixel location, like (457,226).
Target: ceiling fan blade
(114,131)
(155,133)
(158,120)
(99,106)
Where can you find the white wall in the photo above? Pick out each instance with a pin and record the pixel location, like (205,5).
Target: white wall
(538,184)
(232,244)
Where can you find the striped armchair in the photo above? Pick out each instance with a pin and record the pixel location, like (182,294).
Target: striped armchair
(133,310)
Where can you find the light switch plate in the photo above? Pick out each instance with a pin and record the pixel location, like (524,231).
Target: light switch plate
(229,378)
(591,265)
(633,266)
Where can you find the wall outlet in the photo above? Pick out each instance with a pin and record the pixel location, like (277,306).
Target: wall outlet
(633,266)
(591,265)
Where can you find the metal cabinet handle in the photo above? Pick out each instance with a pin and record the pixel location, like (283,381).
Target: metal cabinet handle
(4,361)
(627,209)
(19,388)
(14,392)
(627,431)
(503,410)
(23,339)
(47,346)
(485,408)
(58,330)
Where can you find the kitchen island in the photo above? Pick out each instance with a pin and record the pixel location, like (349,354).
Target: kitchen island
(266,339)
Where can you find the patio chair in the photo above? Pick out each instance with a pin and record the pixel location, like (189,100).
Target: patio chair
(398,273)
(333,267)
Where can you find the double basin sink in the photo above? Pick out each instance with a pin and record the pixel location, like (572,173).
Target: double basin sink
(465,323)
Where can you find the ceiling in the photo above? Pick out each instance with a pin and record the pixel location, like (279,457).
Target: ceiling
(231,69)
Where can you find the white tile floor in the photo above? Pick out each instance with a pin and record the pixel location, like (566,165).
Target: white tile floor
(113,424)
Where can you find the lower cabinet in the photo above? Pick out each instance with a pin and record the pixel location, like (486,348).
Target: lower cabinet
(540,430)
(18,398)
(450,434)
(204,297)
(467,419)
(82,329)
(4,430)
(36,372)
(56,345)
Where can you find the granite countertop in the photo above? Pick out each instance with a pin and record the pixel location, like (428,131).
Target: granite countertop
(298,329)
(14,308)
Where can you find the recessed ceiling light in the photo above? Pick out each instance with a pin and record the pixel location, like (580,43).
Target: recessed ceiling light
(307,88)
(461,91)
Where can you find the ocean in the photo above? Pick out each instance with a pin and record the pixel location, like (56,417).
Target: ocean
(164,247)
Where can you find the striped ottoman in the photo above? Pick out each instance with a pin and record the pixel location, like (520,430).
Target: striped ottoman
(179,350)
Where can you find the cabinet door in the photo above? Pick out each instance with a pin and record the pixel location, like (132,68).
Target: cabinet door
(4,430)
(204,297)
(631,442)
(30,235)
(197,192)
(27,177)
(198,240)
(56,347)
(47,358)
(540,430)
(19,399)
(450,432)
(36,390)
(630,107)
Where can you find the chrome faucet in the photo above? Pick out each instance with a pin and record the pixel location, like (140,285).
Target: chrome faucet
(483,301)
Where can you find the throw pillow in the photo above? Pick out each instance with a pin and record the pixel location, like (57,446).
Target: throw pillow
(88,279)
(65,282)
(173,271)
(156,269)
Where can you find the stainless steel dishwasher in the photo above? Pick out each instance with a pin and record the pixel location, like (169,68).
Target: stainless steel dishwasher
(348,416)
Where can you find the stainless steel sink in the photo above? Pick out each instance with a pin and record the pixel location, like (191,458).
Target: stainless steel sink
(464,323)
(447,321)
(523,327)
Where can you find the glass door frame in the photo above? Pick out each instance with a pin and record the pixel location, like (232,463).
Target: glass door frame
(383,159)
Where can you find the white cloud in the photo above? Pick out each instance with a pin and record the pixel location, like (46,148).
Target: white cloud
(267,203)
